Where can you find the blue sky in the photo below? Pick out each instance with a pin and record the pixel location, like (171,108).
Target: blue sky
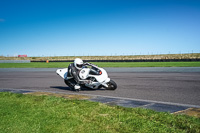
(99,27)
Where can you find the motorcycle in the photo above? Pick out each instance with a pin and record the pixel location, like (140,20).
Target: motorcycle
(93,77)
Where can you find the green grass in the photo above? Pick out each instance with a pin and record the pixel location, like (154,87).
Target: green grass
(101,64)
(149,64)
(35,65)
(27,113)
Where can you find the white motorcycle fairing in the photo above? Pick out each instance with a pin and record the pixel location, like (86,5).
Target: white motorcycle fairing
(102,79)
(62,72)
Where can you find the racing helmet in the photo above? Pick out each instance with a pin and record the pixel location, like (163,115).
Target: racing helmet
(78,63)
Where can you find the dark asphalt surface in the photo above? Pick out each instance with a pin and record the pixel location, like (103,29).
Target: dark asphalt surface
(173,85)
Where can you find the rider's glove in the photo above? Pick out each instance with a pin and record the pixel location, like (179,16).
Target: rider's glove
(87,82)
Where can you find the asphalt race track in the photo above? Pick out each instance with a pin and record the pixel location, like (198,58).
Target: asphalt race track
(173,85)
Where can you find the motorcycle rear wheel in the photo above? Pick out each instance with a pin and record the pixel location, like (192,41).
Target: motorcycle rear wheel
(71,83)
(111,85)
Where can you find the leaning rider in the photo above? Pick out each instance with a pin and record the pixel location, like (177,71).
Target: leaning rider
(74,70)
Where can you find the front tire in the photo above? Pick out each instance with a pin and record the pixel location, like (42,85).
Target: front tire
(111,85)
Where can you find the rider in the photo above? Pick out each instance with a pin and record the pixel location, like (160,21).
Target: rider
(74,70)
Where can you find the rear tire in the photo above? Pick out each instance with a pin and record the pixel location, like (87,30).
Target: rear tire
(71,83)
(111,85)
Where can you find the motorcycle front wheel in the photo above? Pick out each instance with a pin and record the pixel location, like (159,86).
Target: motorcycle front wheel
(111,85)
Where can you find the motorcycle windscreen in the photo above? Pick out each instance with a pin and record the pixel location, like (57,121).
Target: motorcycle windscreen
(103,77)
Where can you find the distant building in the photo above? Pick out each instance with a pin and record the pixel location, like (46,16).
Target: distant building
(22,55)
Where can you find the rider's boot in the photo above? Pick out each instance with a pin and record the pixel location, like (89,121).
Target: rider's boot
(77,87)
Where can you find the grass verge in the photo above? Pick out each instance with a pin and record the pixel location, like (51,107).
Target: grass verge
(28,113)
(101,64)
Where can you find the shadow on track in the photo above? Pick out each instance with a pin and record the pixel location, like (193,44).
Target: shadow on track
(61,88)
(69,89)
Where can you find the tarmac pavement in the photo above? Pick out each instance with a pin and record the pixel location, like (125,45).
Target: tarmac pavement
(160,89)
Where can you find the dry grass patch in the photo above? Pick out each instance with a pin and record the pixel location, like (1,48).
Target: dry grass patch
(190,112)
(66,96)
(121,57)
